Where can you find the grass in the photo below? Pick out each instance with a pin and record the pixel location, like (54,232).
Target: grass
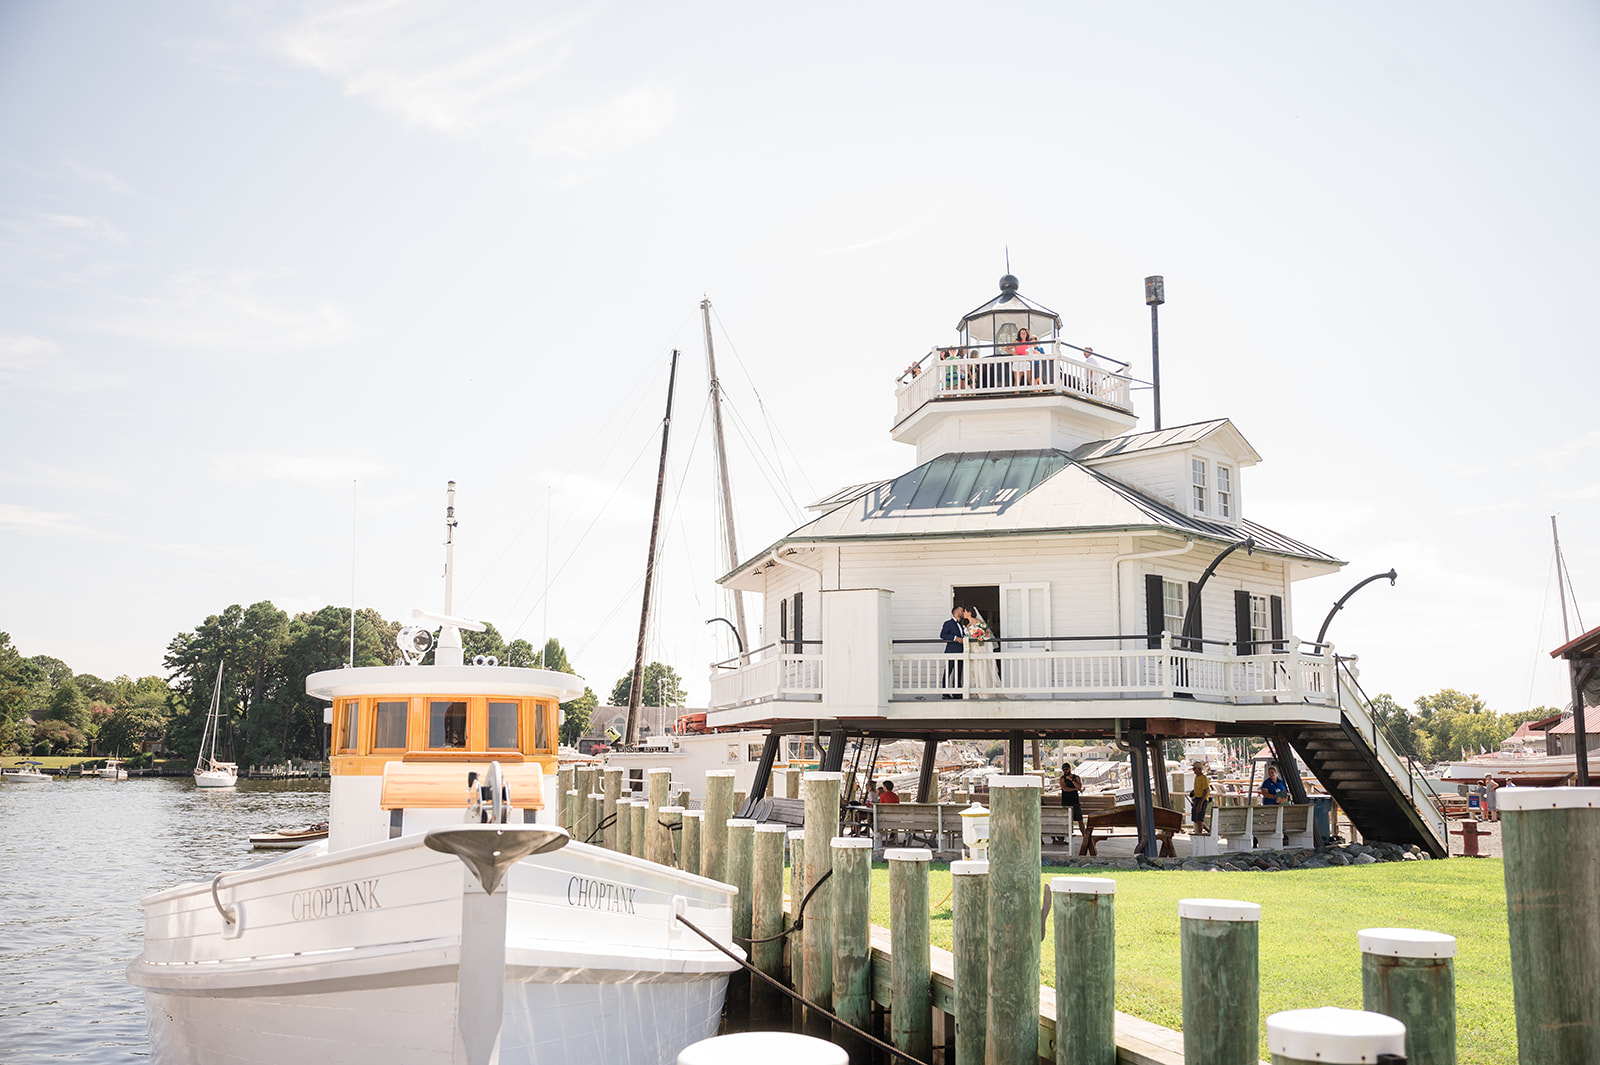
(1309,920)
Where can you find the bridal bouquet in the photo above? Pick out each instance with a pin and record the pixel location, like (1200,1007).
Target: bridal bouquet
(977,633)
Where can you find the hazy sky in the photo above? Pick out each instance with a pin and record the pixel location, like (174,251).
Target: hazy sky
(250,254)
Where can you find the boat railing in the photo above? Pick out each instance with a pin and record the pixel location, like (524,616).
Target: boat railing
(1402,767)
(1050,367)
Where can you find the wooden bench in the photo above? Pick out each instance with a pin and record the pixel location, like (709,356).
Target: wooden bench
(775,810)
(1299,826)
(1097,827)
(929,824)
(1243,826)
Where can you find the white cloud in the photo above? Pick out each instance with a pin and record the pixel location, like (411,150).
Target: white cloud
(304,469)
(478,72)
(48,523)
(94,175)
(226,312)
(38,362)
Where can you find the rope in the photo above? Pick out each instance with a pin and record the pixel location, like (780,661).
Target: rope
(799,915)
(834,1017)
(605,823)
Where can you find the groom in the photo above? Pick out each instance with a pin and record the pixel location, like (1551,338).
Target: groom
(953,633)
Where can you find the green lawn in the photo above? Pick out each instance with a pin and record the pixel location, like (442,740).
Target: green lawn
(1309,920)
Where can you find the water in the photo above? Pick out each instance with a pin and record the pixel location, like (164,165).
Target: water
(76,856)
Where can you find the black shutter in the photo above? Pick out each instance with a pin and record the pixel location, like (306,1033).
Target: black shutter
(783,622)
(1277,624)
(799,624)
(1193,616)
(1241,622)
(1155,609)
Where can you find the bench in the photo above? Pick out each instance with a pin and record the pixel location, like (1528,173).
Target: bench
(1242,826)
(929,824)
(1299,827)
(1097,827)
(773,810)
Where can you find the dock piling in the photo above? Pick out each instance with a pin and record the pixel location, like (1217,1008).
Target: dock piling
(797,894)
(1086,970)
(1551,842)
(670,818)
(714,833)
(564,784)
(641,835)
(689,847)
(612,776)
(656,842)
(1410,975)
(1330,1036)
(596,814)
(852,932)
(741,874)
(822,825)
(583,780)
(1219,943)
(766,899)
(969,925)
(910,967)
(1011,1030)
(625,826)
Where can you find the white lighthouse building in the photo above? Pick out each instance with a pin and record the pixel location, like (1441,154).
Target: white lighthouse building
(1126,590)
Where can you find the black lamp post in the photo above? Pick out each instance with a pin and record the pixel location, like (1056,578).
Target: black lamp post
(1155,294)
(1390,577)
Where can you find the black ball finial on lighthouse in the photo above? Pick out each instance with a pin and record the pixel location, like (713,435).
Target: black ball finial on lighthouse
(1008,283)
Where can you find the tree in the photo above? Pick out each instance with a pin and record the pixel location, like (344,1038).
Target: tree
(247,641)
(520,653)
(130,728)
(576,716)
(68,706)
(554,657)
(316,641)
(662,687)
(58,737)
(1397,719)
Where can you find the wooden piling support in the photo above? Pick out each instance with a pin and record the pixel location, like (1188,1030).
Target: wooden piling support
(791,783)
(583,780)
(596,814)
(1086,969)
(797,895)
(670,818)
(564,784)
(738,801)
(851,886)
(573,813)
(1551,842)
(1329,1036)
(969,925)
(679,795)
(1012,1028)
(641,834)
(659,783)
(689,846)
(766,898)
(741,874)
(613,776)
(910,968)
(822,825)
(714,833)
(625,826)
(1219,944)
(1410,975)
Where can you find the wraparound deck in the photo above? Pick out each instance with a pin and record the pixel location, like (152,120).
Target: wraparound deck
(1047,367)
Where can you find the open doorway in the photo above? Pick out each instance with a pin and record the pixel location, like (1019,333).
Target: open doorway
(985,599)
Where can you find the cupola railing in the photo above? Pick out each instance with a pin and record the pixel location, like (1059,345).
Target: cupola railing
(1049,367)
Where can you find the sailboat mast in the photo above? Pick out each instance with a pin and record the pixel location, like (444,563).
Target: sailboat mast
(636,689)
(722,472)
(1561,589)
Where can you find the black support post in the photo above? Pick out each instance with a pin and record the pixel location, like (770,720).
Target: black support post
(1143,815)
(758,787)
(1014,762)
(1288,768)
(925,781)
(833,757)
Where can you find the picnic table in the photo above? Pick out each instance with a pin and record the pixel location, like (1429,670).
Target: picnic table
(1097,827)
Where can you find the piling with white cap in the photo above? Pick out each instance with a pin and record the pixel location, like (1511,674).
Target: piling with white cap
(1331,1036)
(714,833)
(572,811)
(1410,975)
(689,846)
(680,795)
(1551,841)
(669,818)
(584,783)
(564,780)
(763,1048)
(656,840)
(822,825)
(596,817)
(852,931)
(766,899)
(624,826)
(797,895)
(969,926)
(911,964)
(741,873)
(612,787)
(640,822)
(1012,1030)
(1220,942)
(1086,969)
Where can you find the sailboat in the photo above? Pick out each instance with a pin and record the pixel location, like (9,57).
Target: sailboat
(208,772)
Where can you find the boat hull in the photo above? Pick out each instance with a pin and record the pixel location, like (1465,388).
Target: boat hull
(215,778)
(387,952)
(26,778)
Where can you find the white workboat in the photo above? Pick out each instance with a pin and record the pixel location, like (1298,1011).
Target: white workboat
(26,773)
(428,930)
(112,770)
(208,772)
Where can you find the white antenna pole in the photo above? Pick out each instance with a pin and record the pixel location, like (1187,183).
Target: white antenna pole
(549,496)
(449,545)
(1561,589)
(352,574)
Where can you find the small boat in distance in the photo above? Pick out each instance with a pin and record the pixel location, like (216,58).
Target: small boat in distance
(208,772)
(112,770)
(285,839)
(25,773)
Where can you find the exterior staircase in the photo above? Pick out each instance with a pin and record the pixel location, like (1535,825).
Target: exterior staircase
(1381,790)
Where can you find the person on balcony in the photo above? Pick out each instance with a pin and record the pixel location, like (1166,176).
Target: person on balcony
(954,633)
(1273,791)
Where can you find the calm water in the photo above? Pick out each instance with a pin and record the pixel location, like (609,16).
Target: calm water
(75,858)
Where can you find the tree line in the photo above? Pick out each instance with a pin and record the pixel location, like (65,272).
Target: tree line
(1440,727)
(267,717)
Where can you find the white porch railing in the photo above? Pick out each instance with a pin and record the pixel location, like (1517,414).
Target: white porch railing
(1043,367)
(1162,672)
(764,675)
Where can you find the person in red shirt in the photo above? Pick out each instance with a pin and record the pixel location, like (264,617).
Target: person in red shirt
(887,793)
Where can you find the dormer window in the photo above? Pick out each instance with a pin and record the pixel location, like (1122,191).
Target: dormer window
(1224,491)
(1197,478)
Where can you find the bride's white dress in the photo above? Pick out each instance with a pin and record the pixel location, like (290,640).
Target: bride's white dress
(985,669)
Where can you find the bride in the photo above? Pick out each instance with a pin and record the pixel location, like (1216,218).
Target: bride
(985,677)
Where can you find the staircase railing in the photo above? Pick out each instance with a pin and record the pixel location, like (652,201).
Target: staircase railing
(1397,762)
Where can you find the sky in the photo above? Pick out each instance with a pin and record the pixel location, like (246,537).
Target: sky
(271,274)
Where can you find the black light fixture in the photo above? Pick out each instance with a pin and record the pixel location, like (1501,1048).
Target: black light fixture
(1155,294)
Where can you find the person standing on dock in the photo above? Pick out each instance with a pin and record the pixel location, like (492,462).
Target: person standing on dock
(1199,798)
(954,634)
(1273,789)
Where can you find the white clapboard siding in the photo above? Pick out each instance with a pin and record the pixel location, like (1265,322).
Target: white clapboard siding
(1161,475)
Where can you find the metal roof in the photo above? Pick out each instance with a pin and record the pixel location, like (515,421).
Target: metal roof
(1008,306)
(1175,436)
(843,495)
(1002,493)
(1569,727)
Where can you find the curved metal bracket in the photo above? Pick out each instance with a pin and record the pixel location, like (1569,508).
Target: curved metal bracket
(731,625)
(1391,576)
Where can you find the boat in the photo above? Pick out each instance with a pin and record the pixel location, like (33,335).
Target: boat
(208,772)
(447,918)
(112,770)
(282,839)
(25,773)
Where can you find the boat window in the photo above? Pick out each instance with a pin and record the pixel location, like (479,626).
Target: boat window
(541,727)
(347,728)
(390,730)
(502,725)
(447,724)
